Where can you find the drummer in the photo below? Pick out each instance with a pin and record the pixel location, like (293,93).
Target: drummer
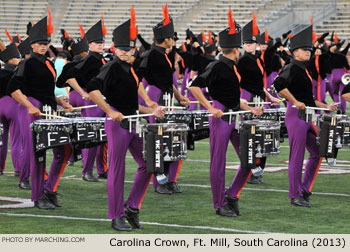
(118,82)
(33,86)
(222,79)
(295,84)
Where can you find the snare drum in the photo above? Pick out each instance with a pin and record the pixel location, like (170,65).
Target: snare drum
(163,142)
(49,133)
(1,133)
(73,114)
(200,120)
(267,137)
(88,129)
(184,117)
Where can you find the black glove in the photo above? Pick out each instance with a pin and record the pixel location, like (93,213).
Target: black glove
(284,35)
(321,39)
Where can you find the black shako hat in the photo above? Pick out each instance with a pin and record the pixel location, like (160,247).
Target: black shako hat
(124,35)
(24,47)
(81,45)
(231,37)
(164,29)
(9,53)
(302,39)
(250,31)
(96,33)
(39,32)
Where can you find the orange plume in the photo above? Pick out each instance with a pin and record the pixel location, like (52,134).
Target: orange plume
(311,22)
(203,36)
(49,23)
(290,36)
(82,33)
(19,38)
(210,38)
(336,38)
(133,28)
(255,27)
(8,35)
(231,22)
(66,34)
(267,39)
(165,15)
(183,46)
(104,29)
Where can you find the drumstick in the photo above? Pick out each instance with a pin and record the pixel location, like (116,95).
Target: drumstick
(314,108)
(54,116)
(262,103)
(85,107)
(233,113)
(172,107)
(198,101)
(133,116)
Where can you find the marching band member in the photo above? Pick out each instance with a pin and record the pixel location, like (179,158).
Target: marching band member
(33,86)
(156,68)
(77,78)
(251,68)
(295,84)
(223,81)
(10,120)
(118,82)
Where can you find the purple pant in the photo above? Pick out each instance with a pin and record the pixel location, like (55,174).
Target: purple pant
(119,141)
(319,90)
(301,135)
(100,152)
(174,167)
(60,157)
(9,118)
(220,135)
(337,87)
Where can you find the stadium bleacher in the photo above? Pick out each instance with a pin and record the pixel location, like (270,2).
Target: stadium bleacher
(195,14)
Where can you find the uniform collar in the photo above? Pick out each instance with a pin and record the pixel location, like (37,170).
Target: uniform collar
(159,49)
(9,67)
(300,64)
(125,65)
(227,61)
(251,56)
(38,56)
(96,55)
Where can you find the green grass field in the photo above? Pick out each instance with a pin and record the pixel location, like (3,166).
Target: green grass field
(265,208)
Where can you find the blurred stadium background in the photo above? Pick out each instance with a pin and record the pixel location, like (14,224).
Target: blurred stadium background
(276,15)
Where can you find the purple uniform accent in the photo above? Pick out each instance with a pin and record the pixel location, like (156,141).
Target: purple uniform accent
(59,162)
(337,87)
(76,100)
(141,100)
(175,80)
(119,141)
(270,80)
(301,135)
(37,170)
(98,153)
(9,118)
(220,135)
(192,106)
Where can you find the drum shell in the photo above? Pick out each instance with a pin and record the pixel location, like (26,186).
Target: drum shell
(267,137)
(50,133)
(173,138)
